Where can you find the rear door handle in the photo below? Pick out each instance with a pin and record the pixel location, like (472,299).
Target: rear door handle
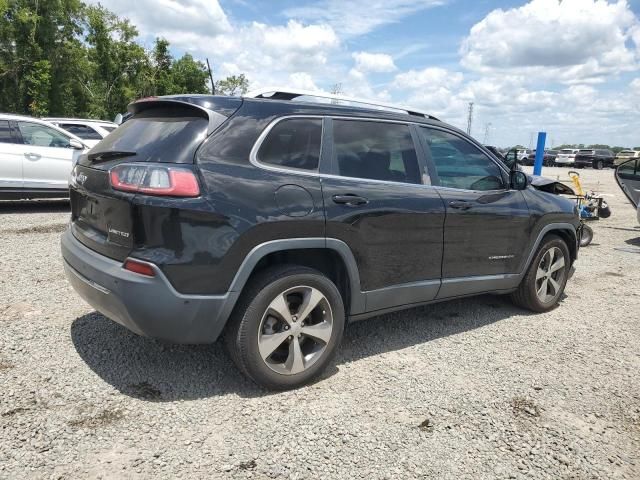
(32,156)
(349,199)
(461,205)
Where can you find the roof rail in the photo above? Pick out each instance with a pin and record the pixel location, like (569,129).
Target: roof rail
(283,93)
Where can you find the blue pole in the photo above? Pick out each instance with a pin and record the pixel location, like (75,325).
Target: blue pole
(537,166)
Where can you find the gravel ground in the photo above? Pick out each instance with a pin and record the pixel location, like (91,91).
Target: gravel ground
(470,389)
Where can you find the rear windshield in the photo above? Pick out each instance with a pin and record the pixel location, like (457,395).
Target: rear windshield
(567,151)
(588,152)
(158,135)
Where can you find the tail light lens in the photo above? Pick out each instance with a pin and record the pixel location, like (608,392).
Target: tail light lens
(154,179)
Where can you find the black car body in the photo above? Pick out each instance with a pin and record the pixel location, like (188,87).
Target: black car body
(396,210)
(548,159)
(596,158)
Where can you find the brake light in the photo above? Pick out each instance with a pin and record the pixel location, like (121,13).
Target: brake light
(139,267)
(154,180)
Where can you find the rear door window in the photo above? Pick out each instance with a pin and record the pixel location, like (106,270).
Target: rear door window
(42,136)
(375,150)
(460,164)
(82,131)
(5,132)
(293,143)
(158,135)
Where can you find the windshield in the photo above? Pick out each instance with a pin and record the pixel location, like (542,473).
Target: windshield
(566,152)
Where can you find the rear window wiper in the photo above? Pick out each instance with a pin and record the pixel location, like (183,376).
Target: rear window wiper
(111,155)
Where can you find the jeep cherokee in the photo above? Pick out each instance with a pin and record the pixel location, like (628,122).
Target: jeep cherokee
(275,221)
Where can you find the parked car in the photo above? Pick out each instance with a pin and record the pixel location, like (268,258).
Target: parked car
(566,157)
(36,158)
(596,158)
(90,131)
(523,154)
(277,221)
(628,178)
(548,160)
(625,155)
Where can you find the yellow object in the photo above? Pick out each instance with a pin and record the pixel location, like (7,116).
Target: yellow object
(575,178)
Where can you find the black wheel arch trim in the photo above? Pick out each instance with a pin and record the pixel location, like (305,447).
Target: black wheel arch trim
(550,228)
(357,304)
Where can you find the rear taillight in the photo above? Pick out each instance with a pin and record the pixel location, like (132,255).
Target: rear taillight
(139,268)
(154,180)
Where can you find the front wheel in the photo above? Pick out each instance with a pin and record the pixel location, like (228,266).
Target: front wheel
(286,327)
(598,165)
(544,282)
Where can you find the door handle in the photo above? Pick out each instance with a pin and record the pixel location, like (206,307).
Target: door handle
(461,205)
(350,200)
(32,156)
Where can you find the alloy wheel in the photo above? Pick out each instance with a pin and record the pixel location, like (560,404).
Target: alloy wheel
(550,275)
(295,330)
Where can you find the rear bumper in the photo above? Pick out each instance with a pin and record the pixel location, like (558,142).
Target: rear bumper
(585,162)
(148,306)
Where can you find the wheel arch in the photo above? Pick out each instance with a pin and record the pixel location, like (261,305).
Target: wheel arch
(566,231)
(330,256)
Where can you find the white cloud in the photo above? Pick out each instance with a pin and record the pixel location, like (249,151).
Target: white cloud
(168,17)
(268,54)
(373,62)
(569,40)
(303,81)
(357,17)
(429,78)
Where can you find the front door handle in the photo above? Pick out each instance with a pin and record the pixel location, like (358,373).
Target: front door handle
(350,200)
(32,156)
(461,205)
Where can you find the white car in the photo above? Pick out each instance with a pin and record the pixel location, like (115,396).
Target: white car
(566,157)
(522,154)
(90,131)
(36,158)
(625,155)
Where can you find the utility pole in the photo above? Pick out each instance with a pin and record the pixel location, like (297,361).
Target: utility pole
(470,118)
(336,90)
(487,131)
(213,85)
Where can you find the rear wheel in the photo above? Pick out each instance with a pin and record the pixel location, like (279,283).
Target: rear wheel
(287,327)
(598,165)
(544,282)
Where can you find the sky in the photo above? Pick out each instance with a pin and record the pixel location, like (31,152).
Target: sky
(567,67)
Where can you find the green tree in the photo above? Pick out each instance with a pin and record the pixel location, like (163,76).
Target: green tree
(233,85)
(189,75)
(64,58)
(117,64)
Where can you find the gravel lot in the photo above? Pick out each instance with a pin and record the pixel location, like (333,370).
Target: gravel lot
(467,389)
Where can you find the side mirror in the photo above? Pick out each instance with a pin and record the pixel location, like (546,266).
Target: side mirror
(518,180)
(75,144)
(118,119)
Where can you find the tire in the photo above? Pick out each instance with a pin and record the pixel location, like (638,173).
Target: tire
(598,165)
(541,293)
(587,236)
(258,324)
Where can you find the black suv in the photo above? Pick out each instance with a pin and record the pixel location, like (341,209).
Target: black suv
(596,158)
(549,159)
(276,221)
